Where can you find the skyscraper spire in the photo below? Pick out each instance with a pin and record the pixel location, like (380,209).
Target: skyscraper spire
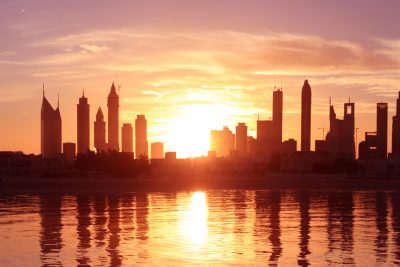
(43,90)
(305,116)
(83,93)
(58,100)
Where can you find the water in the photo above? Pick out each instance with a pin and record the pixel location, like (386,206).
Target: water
(211,228)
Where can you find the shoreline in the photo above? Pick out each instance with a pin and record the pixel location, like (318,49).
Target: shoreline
(270,182)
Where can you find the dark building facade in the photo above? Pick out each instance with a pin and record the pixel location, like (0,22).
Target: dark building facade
(241,139)
(396,130)
(339,140)
(306,117)
(381,129)
(367,149)
(277,112)
(100,132)
(51,130)
(83,125)
(127,138)
(141,143)
(113,119)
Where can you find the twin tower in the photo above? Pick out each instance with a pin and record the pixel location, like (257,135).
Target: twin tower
(51,129)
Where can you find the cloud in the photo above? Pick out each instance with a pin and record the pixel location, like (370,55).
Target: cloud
(94,48)
(7,53)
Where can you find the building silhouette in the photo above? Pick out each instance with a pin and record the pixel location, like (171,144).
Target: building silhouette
(269,132)
(51,130)
(396,130)
(267,138)
(367,149)
(113,119)
(340,138)
(69,151)
(381,129)
(141,144)
(83,125)
(306,116)
(157,150)
(277,112)
(127,138)
(222,142)
(241,139)
(100,132)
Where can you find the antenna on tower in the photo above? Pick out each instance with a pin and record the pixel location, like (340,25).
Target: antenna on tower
(58,100)
(330,101)
(43,90)
(83,93)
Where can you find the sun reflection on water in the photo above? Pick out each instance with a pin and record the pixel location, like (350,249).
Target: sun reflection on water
(195,225)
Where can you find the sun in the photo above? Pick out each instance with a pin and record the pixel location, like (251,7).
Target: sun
(190,134)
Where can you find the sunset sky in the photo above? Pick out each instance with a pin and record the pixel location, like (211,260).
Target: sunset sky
(192,66)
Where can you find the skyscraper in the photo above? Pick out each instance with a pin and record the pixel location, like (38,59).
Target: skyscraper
(113,119)
(222,142)
(127,138)
(241,139)
(157,150)
(339,140)
(305,116)
(51,130)
(100,132)
(83,127)
(396,130)
(141,137)
(277,112)
(381,129)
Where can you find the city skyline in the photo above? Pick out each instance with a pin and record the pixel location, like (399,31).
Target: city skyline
(170,66)
(341,139)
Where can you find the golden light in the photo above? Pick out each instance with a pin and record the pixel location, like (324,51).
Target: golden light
(195,223)
(189,132)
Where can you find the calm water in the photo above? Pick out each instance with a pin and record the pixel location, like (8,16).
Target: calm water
(255,228)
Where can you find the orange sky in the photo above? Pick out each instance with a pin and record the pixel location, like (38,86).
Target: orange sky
(189,74)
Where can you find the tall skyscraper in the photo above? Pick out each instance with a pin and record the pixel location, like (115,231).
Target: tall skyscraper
(127,138)
(141,137)
(339,140)
(83,127)
(157,150)
(277,112)
(113,119)
(381,129)
(100,132)
(51,130)
(396,130)
(306,116)
(241,139)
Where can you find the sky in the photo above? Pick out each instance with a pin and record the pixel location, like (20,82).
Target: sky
(193,66)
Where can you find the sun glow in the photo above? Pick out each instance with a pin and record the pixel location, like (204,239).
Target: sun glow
(195,225)
(190,132)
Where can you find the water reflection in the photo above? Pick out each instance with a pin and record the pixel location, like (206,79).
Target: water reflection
(83,220)
(50,240)
(304,205)
(195,225)
(114,230)
(340,228)
(268,223)
(381,225)
(205,228)
(395,199)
